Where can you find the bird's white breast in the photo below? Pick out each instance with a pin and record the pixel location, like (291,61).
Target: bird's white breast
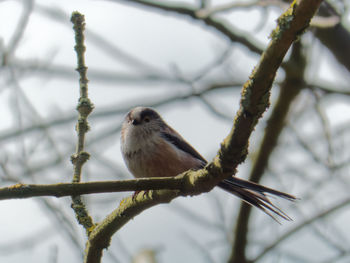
(150,155)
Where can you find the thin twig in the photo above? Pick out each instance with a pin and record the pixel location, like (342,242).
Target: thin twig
(84,108)
(302,225)
(19,31)
(233,6)
(108,47)
(233,34)
(67,189)
(116,110)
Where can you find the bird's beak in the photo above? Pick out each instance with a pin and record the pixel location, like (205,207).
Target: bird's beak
(135,122)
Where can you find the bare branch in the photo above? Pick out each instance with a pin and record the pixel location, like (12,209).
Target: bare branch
(305,223)
(229,31)
(84,108)
(18,34)
(67,189)
(227,7)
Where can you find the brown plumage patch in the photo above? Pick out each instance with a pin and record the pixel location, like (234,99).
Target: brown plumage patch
(163,161)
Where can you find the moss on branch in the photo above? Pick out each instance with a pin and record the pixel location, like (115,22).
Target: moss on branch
(84,108)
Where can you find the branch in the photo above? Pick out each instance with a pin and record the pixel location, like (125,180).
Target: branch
(84,108)
(29,66)
(328,88)
(307,222)
(19,32)
(218,25)
(289,89)
(19,191)
(233,6)
(151,101)
(234,149)
(104,45)
(336,38)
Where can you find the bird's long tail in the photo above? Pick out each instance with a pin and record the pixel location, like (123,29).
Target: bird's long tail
(255,195)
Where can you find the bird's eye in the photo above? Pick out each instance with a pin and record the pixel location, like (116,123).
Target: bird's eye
(146,119)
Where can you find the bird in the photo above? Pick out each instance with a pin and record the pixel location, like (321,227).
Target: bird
(151,148)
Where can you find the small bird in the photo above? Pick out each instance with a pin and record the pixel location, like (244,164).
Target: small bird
(151,148)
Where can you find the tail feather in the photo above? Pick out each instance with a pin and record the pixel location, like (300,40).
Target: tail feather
(254,194)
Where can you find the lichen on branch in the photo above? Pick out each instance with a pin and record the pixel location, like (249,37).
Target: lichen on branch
(84,108)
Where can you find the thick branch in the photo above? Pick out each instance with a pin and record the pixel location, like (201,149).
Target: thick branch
(289,90)
(256,91)
(101,236)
